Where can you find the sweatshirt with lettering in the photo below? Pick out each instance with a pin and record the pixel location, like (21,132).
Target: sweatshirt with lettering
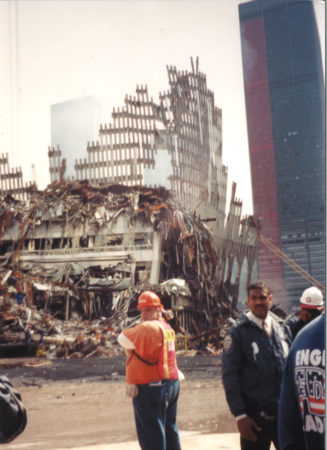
(302,402)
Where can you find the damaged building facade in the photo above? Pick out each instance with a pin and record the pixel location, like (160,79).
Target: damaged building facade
(175,143)
(146,210)
(87,249)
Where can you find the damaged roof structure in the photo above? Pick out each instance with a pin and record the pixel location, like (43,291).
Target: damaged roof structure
(80,251)
(175,143)
(146,209)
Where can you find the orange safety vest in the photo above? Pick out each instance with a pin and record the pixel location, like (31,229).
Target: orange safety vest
(167,366)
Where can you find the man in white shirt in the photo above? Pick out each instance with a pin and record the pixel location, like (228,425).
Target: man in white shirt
(255,350)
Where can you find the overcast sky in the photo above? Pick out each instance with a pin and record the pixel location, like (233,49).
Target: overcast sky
(53,51)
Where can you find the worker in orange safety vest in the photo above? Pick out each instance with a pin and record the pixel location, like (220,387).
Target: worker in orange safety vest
(152,376)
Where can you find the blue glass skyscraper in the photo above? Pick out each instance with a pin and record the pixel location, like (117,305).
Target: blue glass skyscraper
(284,92)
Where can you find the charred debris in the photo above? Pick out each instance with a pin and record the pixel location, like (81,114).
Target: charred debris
(75,257)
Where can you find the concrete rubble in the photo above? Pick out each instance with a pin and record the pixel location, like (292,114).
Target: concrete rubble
(75,257)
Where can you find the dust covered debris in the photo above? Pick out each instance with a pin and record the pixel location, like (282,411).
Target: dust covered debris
(74,258)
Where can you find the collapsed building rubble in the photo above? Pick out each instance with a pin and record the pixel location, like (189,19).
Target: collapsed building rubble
(75,257)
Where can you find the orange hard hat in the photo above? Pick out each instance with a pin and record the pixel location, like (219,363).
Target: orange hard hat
(148,298)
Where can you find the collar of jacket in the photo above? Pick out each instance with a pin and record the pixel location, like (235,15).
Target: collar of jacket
(244,320)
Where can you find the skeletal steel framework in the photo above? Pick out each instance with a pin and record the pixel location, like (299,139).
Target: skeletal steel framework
(11,180)
(176,143)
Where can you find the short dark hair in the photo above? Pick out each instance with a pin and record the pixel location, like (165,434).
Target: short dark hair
(258,284)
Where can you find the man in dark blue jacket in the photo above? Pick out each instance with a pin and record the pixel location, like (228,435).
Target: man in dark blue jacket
(255,350)
(302,401)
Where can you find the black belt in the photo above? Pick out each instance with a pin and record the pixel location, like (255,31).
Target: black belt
(149,363)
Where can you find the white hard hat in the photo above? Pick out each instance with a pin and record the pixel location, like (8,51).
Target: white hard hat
(312,298)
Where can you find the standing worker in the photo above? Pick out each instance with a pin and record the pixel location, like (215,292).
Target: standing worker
(152,376)
(255,350)
(312,305)
(301,421)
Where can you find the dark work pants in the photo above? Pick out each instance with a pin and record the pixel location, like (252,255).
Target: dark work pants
(267,435)
(155,411)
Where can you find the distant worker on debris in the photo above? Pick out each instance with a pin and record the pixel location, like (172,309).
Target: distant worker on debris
(312,305)
(152,376)
(301,422)
(254,352)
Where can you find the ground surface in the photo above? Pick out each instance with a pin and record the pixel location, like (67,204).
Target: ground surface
(76,403)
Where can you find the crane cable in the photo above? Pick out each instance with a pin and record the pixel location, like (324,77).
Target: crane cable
(276,250)
(306,275)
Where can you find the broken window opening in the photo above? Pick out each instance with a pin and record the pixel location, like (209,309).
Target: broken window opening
(38,244)
(84,242)
(6,247)
(141,273)
(66,243)
(114,240)
(55,243)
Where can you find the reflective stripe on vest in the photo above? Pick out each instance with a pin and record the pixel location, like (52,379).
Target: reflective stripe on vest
(167,357)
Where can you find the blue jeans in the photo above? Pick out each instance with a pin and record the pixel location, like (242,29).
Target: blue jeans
(155,411)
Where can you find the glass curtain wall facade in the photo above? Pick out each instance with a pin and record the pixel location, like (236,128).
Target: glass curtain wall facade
(284,92)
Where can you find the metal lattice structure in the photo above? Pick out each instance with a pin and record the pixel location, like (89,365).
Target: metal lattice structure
(11,180)
(175,143)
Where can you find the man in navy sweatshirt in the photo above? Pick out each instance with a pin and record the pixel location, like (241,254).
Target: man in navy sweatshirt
(301,415)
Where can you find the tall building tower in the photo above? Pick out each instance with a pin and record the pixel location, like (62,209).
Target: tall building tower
(284,92)
(73,124)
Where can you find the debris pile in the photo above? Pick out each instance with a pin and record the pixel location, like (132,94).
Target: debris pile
(75,257)
(28,331)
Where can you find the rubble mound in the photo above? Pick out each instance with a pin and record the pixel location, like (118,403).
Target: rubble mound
(75,257)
